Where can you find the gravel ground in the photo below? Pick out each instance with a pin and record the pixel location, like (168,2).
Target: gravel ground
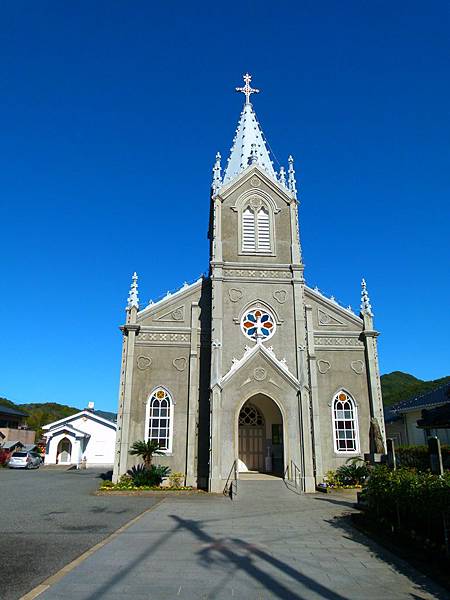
(50,517)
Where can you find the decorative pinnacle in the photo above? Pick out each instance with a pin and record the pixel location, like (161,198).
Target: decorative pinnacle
(291,177)
(247,89)
(133,296)
(366,308)
(217,179)
(282,177)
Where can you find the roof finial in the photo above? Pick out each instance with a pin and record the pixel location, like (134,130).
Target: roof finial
(217,180)
(366,308)
(133,296)
(282,177)
(247,89)
(291,177)
(253,158)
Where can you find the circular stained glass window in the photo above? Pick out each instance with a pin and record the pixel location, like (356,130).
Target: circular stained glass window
(258,324)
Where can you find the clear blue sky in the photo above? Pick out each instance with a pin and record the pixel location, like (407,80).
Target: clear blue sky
(111,114)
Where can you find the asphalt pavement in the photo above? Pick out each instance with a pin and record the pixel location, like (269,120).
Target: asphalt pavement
(48,518)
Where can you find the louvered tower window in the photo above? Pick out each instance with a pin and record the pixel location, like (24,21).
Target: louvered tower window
(256,235)
(263,230)
(248,230)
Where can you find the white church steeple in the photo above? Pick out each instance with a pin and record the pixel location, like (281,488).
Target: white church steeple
(249,146)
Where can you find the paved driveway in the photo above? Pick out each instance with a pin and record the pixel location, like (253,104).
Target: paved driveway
(268,544)
(48,518)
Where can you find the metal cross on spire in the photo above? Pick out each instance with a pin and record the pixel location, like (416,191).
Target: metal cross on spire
(247,89)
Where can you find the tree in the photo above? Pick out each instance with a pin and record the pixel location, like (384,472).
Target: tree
(146,450)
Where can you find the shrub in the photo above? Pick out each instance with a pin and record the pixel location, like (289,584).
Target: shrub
(417,457)
(140,475)
(4,457)
(354,472)
(176,479)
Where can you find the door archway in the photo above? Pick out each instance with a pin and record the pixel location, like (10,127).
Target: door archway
(64,451)
(260,436)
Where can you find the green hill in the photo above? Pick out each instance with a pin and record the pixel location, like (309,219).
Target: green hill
(398,386)
(41,414)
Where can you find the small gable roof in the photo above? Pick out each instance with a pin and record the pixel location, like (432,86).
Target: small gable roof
(268,353)
(67,427)
(435,397)
(83,413)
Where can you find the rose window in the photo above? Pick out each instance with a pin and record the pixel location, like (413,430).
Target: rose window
(258,324)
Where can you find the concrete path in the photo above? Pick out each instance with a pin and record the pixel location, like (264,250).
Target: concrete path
(269,543)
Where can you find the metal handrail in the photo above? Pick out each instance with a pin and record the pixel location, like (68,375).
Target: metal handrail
(293,474)
(230,488)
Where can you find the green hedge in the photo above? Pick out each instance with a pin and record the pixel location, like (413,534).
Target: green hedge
(414,501)
(417,457)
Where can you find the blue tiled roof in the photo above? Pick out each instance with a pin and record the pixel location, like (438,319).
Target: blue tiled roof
(7,410)
(438,396)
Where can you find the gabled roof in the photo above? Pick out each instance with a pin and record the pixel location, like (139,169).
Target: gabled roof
(435,397)
(248,138)
(69,428)
(7,410)
(178,295)
(83,413)
(11,444)
(333,305)
(268,353)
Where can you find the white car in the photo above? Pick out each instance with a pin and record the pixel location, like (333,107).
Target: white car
(24,460)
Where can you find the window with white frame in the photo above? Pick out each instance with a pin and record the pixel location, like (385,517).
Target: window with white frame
(160,419)
(256,235)
(345,423)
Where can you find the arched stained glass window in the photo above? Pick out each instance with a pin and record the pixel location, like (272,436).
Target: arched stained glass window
(345,423)
(160,419)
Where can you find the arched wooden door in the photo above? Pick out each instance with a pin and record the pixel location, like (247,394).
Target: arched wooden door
(251,438)
(64,451)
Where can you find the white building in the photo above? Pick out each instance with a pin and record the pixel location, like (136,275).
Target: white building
(82,436)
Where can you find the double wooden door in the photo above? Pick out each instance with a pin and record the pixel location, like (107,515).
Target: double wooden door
(251,447)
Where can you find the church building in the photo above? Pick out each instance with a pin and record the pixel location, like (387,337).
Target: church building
(248,368)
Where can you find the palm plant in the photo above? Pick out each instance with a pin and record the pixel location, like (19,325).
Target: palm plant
(146,450)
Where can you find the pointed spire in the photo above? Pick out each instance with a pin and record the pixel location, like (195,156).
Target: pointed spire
(248,133)
(282,177)
(217,180)
(291,177)
(366,308)
(133,296)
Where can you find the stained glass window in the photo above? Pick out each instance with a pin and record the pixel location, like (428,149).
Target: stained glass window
(258,324)
(160,419)
(250,416)
(345,423)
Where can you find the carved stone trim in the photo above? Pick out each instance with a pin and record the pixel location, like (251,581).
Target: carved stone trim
(143,362)
(324,366)
(357,366)
(235,294)
(280,296)
(166,338)
(175,314)
(338,342)
(325,319)
(180,363)
(258,273)
(259,374)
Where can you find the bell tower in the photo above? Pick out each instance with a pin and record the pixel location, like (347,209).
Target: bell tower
(257,283)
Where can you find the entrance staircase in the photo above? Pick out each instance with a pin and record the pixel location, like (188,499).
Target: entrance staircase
(253,486)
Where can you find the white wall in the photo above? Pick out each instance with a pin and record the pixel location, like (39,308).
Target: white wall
(99,449)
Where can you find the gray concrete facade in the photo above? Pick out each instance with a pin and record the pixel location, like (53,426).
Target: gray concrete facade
(192,344)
